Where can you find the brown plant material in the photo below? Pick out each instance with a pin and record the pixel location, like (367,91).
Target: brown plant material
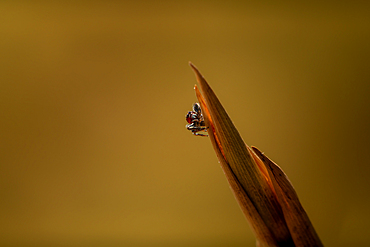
(263,191)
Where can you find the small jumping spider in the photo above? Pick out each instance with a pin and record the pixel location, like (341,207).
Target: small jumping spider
(196,121)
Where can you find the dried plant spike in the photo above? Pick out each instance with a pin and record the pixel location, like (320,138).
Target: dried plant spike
(250,178)
(237,156)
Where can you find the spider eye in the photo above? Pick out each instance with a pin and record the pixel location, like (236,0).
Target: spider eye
(196,108)
(188,117)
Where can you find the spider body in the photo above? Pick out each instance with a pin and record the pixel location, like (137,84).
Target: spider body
(196,121)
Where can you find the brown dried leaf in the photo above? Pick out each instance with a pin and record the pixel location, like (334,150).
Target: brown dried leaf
(248,180)
(262,190)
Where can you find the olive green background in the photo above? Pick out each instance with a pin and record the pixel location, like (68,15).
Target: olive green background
(93,97)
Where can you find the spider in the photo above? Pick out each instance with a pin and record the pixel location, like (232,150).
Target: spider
(196,121)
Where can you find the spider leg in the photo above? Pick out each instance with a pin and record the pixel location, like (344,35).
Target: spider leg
(196,127)
(198,134)
(196,131)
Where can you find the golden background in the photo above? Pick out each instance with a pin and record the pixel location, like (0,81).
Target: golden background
(93,97)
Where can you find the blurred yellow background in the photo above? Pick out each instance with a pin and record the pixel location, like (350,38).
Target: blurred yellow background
(93,97)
